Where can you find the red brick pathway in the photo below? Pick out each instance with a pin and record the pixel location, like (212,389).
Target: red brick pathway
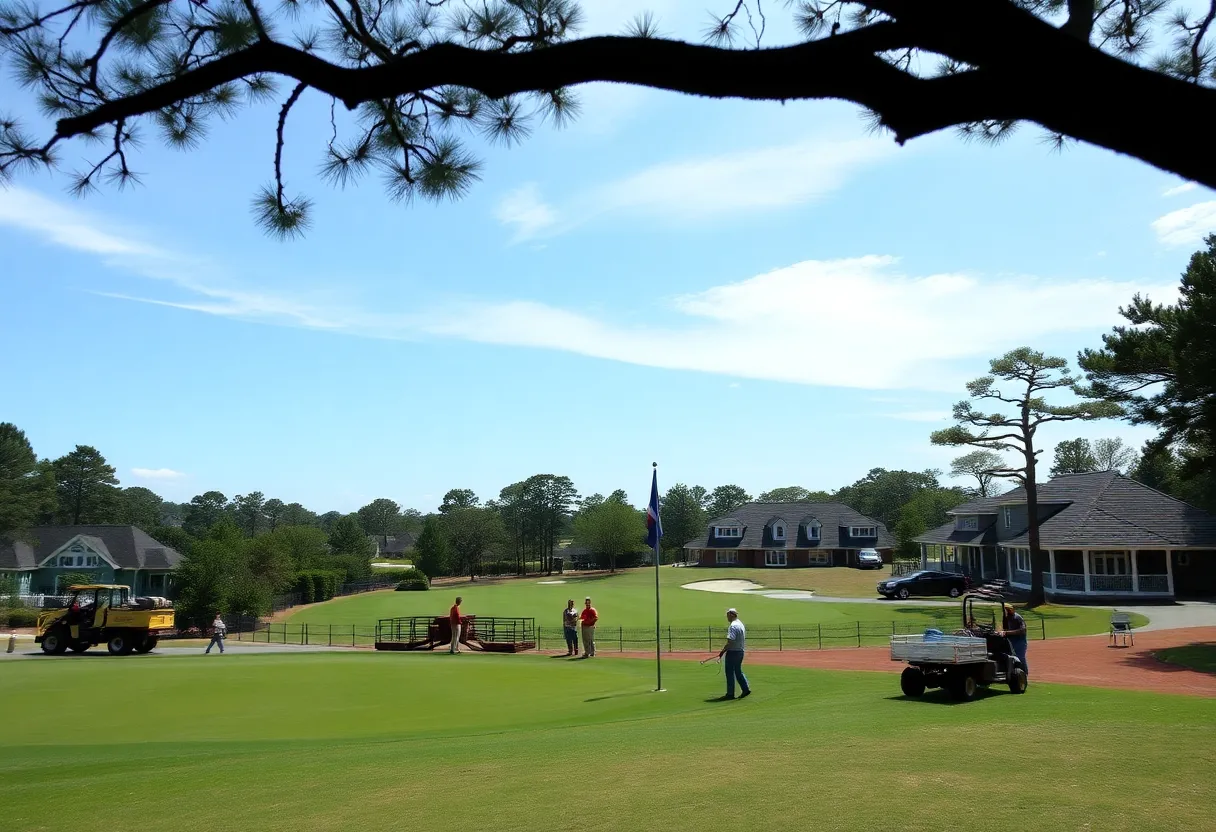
(1086,660)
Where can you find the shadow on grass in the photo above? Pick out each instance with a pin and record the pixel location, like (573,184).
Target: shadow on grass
(1198,657)
(619,695)
(943,697)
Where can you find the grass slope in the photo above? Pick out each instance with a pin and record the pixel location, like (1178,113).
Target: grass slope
(626,599)
(385,742)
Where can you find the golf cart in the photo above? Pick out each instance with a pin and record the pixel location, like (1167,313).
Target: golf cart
(971,658)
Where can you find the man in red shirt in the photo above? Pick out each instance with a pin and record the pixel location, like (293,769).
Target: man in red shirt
(587,618)
(454,620)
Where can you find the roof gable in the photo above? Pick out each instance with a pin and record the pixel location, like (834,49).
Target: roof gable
(79,545)
(757,520)
(124,547)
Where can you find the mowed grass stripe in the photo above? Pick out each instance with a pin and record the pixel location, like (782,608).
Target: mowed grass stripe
(626,599)
(529,743)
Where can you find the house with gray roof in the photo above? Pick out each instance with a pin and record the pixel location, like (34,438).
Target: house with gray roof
(789,535)
(107,554)
(1106,537)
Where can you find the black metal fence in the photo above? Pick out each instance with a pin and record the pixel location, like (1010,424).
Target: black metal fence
(627,639)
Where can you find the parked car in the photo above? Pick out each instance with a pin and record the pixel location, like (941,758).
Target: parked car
(925,582)
(869,559)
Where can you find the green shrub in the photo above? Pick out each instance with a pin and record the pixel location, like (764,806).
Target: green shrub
(414,582)
(304,587)
(18,617)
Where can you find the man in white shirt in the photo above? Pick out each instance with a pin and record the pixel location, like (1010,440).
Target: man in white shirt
(218,631)
(733,650)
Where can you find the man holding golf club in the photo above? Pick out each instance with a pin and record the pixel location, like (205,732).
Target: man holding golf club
(736,644)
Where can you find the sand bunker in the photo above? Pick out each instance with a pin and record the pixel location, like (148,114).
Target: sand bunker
(724,586)
(550,582)
(393,565)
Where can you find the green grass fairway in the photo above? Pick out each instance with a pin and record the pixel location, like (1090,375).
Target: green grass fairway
(1201,657)
(374,742)
(626,599)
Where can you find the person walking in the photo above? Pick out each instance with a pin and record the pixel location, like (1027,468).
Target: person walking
(587,618)
(1013,627)
(219,631)
(454,620)
(570,628)
(733,650)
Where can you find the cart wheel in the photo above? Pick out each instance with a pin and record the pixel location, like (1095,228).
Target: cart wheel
(1017,681)
(912,681)
(963,688)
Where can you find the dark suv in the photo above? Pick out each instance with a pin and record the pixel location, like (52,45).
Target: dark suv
(925,582)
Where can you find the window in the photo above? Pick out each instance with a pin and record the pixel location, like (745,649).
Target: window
(724,557)
(818,558)
(1109,563)
(774,558)
(90,560)
(779,532)
(1007,516)
(812,530)
(67,560)
(728,531)
(863,531)
(969,524)
(1021,560)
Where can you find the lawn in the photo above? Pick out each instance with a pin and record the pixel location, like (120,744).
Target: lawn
(626,599)
(1201,657)
(512,743)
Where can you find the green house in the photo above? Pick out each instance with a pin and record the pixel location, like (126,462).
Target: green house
(40,558)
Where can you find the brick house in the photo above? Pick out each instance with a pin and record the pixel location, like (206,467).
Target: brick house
(789,535)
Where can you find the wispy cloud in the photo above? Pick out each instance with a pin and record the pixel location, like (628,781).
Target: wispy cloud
(58,224)
(785,325)
(156,474)
(701,189)
(1186,226)
(921,416)
(1185,187)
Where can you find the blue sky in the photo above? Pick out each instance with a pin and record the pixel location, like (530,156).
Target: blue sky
(751,293)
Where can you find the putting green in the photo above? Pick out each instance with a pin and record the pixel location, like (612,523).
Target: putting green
(626,599)
(383,742)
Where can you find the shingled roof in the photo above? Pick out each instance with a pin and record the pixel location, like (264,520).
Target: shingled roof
(756,519)
(127,546)
(1098,509)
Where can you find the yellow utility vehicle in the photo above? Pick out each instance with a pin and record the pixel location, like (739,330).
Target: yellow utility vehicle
(104,614)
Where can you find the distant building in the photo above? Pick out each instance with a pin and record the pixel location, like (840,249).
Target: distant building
(109,554)
(789,535)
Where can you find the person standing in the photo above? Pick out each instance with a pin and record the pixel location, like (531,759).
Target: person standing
(1013,627)
(733,650)
(219,631)
(570,628)
(588,617)
(454,620)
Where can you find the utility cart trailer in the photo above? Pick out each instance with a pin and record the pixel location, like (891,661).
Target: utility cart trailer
(961,663)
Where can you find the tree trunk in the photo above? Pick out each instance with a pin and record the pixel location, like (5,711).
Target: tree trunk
(1037,594)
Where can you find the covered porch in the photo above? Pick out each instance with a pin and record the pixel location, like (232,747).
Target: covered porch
(1106,572)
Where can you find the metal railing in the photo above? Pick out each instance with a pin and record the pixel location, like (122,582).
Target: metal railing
(1154,583)
(635,639)
(1110,583)
(1069,581)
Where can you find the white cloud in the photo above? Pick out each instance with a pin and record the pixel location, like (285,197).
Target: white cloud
(922,416)
(157,474)
(702,189)
(58,224)
(1180,189)
(785,325)
(1186,226)
(524,209)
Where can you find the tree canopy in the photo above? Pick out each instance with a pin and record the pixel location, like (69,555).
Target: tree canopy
(409,74)
(1073,456)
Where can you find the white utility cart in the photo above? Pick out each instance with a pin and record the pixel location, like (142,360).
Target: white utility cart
(963,662)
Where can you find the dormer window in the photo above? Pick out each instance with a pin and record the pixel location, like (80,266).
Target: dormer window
(863,531)
(812,530)
(1007,516)
(728,531)
(969,524)
(779,532)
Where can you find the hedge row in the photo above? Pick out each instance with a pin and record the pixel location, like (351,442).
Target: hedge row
(318,585)
(416,581)
(18,617)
